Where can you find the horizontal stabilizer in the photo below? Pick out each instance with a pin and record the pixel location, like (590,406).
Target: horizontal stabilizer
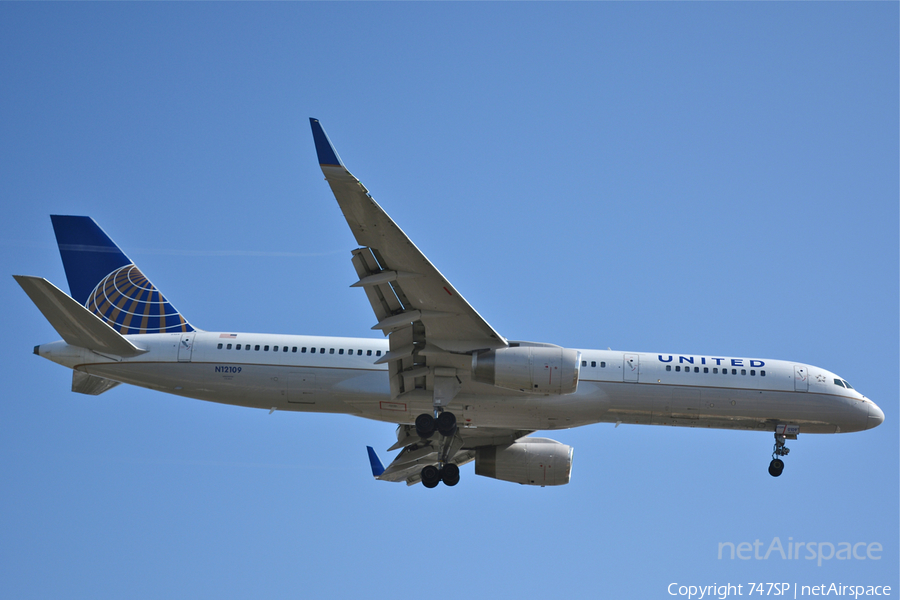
(77,325)
(84,383)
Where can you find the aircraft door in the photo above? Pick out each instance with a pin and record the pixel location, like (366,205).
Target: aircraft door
(801,378)
(631,367)
(186,347)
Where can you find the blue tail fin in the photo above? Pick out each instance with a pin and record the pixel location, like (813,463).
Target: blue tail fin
(106,282)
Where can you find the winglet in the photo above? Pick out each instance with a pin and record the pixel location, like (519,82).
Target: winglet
(324,149)
(377,467)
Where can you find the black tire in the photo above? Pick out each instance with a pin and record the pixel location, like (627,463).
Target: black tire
(450,474)
(776,467)
(446,423)
(431,476)
(425,426)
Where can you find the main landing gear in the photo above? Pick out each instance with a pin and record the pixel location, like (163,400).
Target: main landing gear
(432,476)
(777,465)
(445,425)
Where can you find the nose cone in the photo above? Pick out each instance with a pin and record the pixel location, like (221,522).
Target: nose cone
(876,416)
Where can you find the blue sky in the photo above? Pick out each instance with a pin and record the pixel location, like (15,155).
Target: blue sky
(681,177)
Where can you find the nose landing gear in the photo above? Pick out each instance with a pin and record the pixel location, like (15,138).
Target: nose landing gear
(777,465)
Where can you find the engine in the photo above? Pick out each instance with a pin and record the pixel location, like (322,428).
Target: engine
(529,461)
(532,369)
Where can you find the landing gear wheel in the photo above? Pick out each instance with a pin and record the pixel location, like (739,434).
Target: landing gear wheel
(776,467)
(450,474)
(446,423)
(431,476)
(425,426)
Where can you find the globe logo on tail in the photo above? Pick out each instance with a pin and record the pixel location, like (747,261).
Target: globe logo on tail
(127,301)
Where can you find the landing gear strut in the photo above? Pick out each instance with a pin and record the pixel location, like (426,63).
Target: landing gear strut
(444,424)
(777,465)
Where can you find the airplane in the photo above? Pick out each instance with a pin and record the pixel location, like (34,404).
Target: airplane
(457,389)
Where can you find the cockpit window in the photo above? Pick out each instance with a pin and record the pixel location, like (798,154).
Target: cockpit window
(838,382)
(849,387)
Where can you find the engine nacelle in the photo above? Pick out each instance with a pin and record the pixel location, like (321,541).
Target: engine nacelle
(529,461)
(532,369)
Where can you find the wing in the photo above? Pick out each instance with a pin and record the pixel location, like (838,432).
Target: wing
(418,453)
(432,330)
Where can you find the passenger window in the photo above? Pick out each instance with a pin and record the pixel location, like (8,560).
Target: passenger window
(584,363)
(668,367)
(359,352)
(734,371)
(593,363)
(602,364)
(246,346)
(743,371)
(331,351)
(715,370)
(752,372)
(696,369)
(321,350)
(678,368)
(284,349)
(265,348)
(274,348)
(368,353)
(303,350)
(706,369)
(238,347)
(762,373)
(256,347)
(341,351)
(294,349)
(228,347)
(378,353)
(219,347)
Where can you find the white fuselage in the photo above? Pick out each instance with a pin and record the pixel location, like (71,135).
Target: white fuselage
(614,387)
